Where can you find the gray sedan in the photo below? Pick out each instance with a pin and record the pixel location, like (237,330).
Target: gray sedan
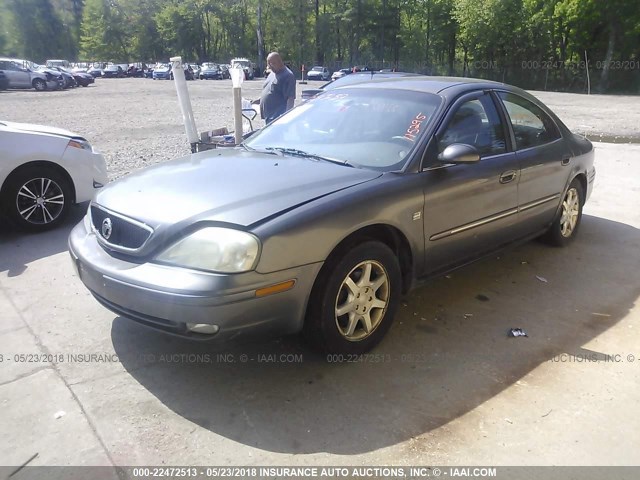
(321,221)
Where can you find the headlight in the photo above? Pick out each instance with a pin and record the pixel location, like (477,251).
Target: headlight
(79,143)
(216,249)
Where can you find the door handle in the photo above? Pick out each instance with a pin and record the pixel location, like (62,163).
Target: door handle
(509,176)
(566,160)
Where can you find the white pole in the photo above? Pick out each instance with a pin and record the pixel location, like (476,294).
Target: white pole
(586,64)
(237,77)
(183,100)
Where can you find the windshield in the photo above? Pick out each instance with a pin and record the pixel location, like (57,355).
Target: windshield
(369,128)
(163,67)
(316,69)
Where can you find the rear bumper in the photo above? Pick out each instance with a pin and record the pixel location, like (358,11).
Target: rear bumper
(167,298)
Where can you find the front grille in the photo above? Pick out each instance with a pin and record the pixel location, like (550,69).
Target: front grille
(121,232)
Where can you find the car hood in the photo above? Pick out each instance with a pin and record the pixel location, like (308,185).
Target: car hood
(32,128)
(225,185)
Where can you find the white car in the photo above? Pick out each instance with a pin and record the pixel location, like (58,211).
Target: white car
(43,171)
(319,73)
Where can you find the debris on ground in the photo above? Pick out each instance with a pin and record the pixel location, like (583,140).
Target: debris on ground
(600,314)
(482,298)
(546,414)
(467,315)
(517,332)
(59,414)
(542,279)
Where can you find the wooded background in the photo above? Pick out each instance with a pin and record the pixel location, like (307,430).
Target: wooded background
(543,44)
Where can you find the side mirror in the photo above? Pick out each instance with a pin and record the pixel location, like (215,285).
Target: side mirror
(459,153)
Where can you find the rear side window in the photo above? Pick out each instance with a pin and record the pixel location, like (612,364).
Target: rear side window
(531,126)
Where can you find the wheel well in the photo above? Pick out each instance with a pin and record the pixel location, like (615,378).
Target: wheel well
(41,164)
(391,237)
(582,178)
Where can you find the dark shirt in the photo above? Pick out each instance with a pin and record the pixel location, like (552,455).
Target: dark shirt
(275,91)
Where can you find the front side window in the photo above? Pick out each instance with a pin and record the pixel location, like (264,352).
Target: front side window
(531,126)
(372,128)
(476,123)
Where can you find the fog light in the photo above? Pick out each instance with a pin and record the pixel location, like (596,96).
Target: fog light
(205,328)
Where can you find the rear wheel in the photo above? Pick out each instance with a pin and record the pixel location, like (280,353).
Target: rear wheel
(565,226)
(354,300)
(39,84)
(37,198)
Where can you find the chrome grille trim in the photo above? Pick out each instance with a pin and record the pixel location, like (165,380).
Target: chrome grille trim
(115,246)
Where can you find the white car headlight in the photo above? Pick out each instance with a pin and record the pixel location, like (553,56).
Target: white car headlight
(216,249)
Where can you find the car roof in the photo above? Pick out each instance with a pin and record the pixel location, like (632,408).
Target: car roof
(443,86)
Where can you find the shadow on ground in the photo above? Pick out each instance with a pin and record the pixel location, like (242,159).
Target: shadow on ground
(437,363)
(29,247)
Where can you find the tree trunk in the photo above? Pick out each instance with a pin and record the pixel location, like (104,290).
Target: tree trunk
(604,78)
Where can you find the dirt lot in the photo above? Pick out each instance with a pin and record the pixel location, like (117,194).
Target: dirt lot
(454,390)
(137,122)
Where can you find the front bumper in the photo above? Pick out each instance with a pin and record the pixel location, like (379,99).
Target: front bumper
(167,298)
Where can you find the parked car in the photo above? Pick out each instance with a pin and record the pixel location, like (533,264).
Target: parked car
(81,78)
(224,68)
(43,171)
(163,72)
(319,73)
(210,71)
(358,77)
(26,74)
(57,63)
(246,65)
(188,72)
(196,70)
(68,77)
(95,71)
(340,73)
(4,81)
(317,226)
(135,70)
(113,71)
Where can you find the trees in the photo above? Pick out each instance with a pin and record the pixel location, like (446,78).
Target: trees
(534,43)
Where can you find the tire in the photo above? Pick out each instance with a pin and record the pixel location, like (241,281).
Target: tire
(39,84)
(565,227)
(25,203)
(348,333)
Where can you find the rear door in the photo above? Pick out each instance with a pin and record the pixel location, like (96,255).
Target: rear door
(470,209)
(544,159)
(17,75)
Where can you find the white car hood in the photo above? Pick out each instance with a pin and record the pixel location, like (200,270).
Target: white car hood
(30,127)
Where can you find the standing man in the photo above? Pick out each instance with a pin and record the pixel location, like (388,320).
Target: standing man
(279,89)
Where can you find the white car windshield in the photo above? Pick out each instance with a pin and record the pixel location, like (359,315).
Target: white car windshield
(370,128)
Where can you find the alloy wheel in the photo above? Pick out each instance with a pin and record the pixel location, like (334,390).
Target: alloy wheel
(40,201)
(362,300)
(570,212)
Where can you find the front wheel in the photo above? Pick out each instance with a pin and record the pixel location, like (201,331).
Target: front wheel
(565,226)
(37,199)
(354,300)
(39,84)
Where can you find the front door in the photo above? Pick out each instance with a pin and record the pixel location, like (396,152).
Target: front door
(470,209)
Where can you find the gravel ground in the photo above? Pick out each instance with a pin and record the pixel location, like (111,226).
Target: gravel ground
(137,122)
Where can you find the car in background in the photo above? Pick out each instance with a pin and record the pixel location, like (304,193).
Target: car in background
(26,74)
(113,71)
(224,68)
(319,73)
(136,70)
(82,79)
(43,171)
(353,78)
(188,72)
(95,71)
(69,79)
(340,73)
(162,72)
(314,226)
(57,63)
(245,64)
(80,67)
(210,71)
(4,81)
(196,70)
